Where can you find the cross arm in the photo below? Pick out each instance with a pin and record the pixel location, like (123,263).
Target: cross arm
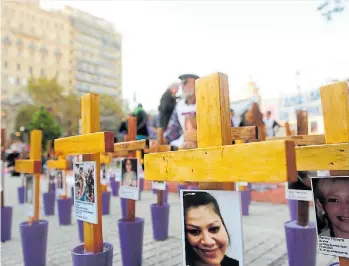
(105,159)
(130,145)
(61,164)
(323,157)
(303,139)
(100,142)
(237,133)
(28,166)
(269,161)
(161,148)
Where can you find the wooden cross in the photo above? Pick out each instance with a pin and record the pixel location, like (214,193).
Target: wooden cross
(90,144)
(104,160)
(62,164)
(3,149)
(216,160)
(33,166)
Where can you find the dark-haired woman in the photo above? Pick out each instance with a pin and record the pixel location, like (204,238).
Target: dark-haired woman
(206,236)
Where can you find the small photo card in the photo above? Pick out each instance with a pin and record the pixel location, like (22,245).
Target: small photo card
(331,200)
(159,185)
(85,192)
(117,168)
(52,176)
(300,190)
(60,183)
(129,188)
(211,227)
(29,182)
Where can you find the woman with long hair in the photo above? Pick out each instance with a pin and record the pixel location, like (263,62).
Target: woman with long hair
(129,177)
(206,235)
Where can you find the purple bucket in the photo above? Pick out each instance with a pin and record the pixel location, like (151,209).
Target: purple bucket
(81,230)
(123,207)
(52,187)
(49,199)
(293,207)
(104,258)
(141,184)
(34,242)
(131,241)
(245,196)
(114,185)
(106,202)
(301,244)
(160,221)
(6,223)
(64,211)
(20,191)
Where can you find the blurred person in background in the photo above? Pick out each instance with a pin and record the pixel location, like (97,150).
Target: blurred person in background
(167,104)
(142,121)
(271,125)
(122,130)
(235,121)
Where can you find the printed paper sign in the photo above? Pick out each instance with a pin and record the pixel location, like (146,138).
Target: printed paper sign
(60,187)
(29,194)
(116,168)
(300,190)
(85,192)
(129,188)
(331,201)
(211,227)
(159,185)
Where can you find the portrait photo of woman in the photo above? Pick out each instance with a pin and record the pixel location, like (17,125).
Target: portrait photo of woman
(129,173)
(206,237)
(331,198)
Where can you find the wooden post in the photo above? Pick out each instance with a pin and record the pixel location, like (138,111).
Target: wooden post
(33,166)
(3,148)
(90,144)
(62,164)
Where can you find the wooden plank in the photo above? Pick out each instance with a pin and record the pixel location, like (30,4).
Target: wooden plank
(105,159)
(237,133)
(28,166)
(302,139)
(335,109)
(323,157)
(130,145)
(269,161)
(36,154)
(58,164)
(162,148)
(120,154)
(100,142)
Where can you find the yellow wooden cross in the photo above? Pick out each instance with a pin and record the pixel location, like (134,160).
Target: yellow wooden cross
(3,148)
(61,164)
(216,160)
(91,143)
(33,166)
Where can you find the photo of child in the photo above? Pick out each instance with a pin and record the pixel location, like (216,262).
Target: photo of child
(129,173)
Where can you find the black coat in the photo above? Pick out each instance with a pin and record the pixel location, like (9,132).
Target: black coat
(167,105)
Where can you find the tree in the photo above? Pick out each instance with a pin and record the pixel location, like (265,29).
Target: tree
(24,116)
(111,111)
(44,120)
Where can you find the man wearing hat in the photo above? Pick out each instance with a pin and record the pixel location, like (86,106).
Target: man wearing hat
(185,107)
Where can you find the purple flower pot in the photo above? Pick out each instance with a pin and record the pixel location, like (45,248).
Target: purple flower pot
(154,190)
(106,202)
(49,199)
(34,242)
(123,207)
(131,241)
(301,244)
(141,184)
(104,258)
(81,230)
(114,185)
(245,201)
(20,191)
(64,211)
(293,207)
(6,223)
(52,187)
(160,220)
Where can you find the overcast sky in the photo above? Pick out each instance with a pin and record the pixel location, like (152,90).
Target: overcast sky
(268,40)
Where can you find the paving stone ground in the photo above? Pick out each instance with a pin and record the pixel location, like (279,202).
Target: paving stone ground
(264,238)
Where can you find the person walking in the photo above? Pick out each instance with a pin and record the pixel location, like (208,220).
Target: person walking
(271,125)
(167,104)
(142,122)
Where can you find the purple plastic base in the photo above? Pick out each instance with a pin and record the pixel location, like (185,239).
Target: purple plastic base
(106,202)
(245,202)
(160,221)
(114,185)
(34,242)
(104,258)
(301,244)
(49,199)
(141,184)
(20,191)
(293,207)
(131,241)
(6,223)
(123,207)
(64,211)
(52,187)
(81,230)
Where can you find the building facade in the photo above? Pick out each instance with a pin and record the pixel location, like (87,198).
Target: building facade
(34,43)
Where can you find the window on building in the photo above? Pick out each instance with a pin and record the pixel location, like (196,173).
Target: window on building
(31,70)
(18,67)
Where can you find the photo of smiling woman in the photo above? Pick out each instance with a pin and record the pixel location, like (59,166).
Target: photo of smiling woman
(207,238)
